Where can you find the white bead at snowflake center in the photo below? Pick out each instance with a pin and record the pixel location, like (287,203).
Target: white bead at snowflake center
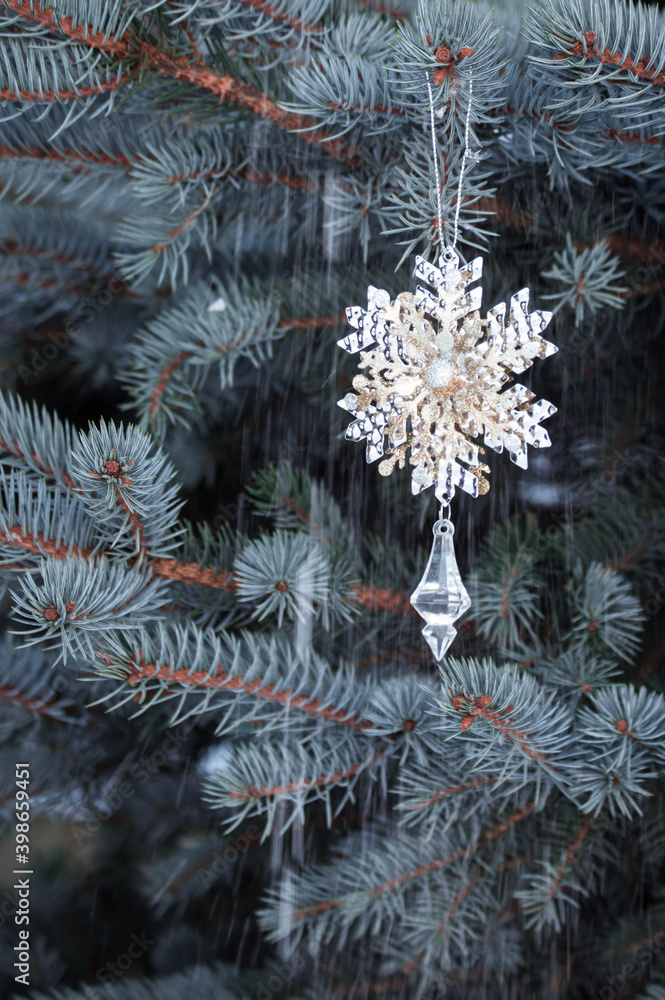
(439,373)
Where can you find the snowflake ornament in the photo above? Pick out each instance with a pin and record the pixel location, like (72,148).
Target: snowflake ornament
(438,376)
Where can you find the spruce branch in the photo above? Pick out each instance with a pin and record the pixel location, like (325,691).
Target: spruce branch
(606,615)
(346,83)
(37,233)
(508,590)
(14,246)
(45,282)
(253,672)
(296,502)
(298,22)
(75,600)
(32,439)
(619,782)
(61,94)
(449,44)
(502,800)
(99,32)
(268,33)
(123,482)
(187,69)
(156,241)
(402,707)
(619,714)
(581,136)
(224,323)
(550,893)
(194,574)
(14,696)
(576,677)
(36,522)
(573,46)
(122,479)
(500,712)
(426,798)
(45,74)
(259,780)
(27,691)
(66,156)
(644,252)
(291,575)
(370,888)
(448,921)
(412,200)
(588,279)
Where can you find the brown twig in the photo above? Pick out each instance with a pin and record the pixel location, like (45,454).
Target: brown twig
(192,70)
(40,546)
(67,156)
(427,869)
(453,790)
(279,15)
(589,50)
(252,792)
(478,707)
(141,671)
(9,94)
(568,861)
(11,245)
(38,706)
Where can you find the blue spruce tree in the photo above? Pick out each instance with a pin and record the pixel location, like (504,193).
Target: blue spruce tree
(231,767)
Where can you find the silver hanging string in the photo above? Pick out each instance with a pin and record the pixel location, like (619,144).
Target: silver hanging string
(436,160)
(435,155)
(464,159)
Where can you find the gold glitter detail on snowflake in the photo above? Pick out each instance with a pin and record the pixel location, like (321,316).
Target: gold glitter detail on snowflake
(437,376)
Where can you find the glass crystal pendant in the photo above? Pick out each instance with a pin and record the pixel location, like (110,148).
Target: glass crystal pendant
(441,597)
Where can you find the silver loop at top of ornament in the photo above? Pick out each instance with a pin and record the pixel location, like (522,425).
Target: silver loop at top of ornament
(444,509)
(443,527)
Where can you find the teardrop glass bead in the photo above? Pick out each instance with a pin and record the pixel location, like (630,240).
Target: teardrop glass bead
(441,597)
